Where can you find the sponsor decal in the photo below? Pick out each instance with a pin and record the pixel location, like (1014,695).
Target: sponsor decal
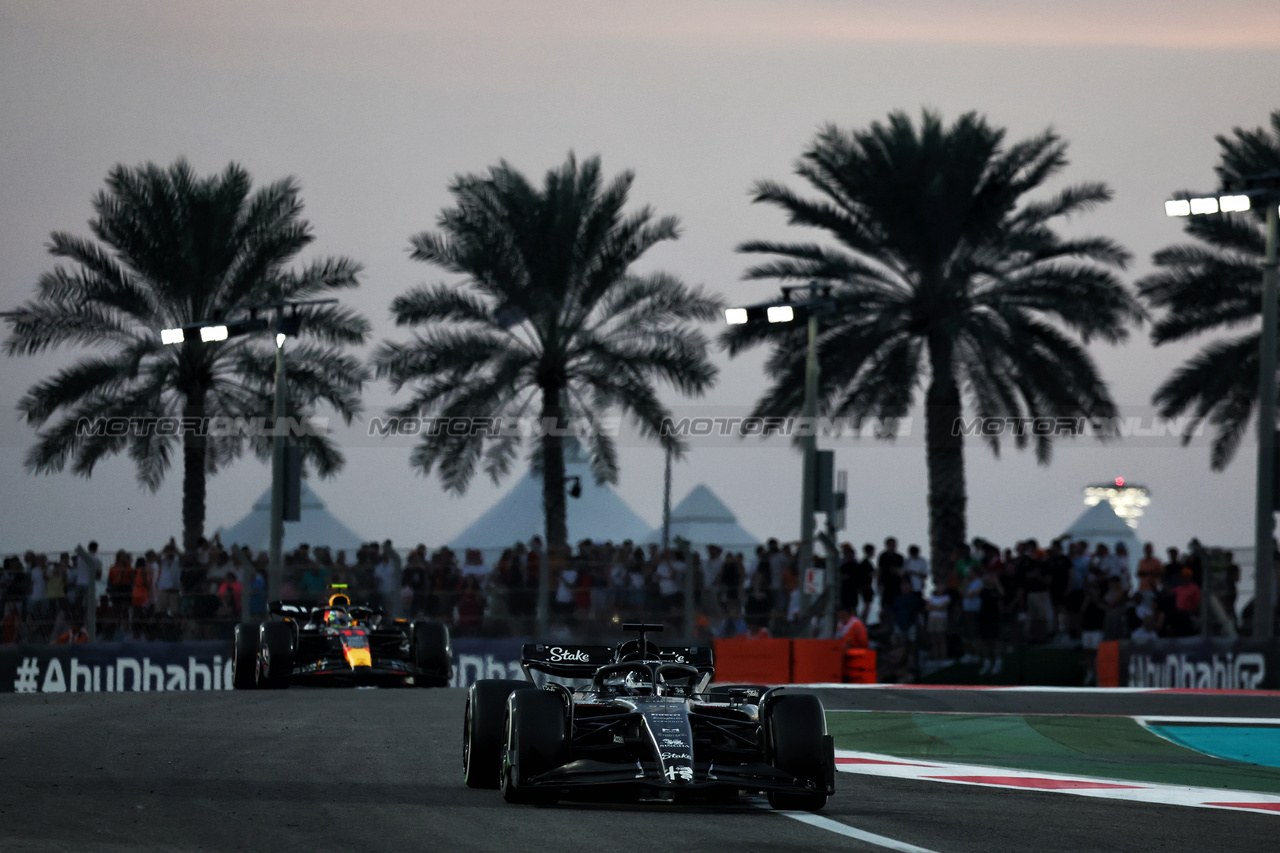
(1198,663)
(676,756)
(671,741)
(1224,672)
(681,773)
(559,655)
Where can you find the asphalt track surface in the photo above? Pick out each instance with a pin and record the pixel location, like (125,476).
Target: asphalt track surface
(368,770)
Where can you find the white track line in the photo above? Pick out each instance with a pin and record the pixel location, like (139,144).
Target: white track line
(1209,721)
(852,832)
(929,770)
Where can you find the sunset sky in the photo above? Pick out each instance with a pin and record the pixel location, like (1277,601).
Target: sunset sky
(374,106)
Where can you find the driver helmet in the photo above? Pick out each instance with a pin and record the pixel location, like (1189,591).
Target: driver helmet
(635,682)
(337,618)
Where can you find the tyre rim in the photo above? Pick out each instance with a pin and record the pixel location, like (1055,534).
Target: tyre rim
(466,741)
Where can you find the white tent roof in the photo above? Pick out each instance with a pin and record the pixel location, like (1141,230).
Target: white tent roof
(1099,523)
(599,515)
(317,526)
(703,519)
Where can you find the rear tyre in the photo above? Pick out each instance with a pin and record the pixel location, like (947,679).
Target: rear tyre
(796,743)
(275,655)
(432,652)
(244,658)
(537,741)
(483,733)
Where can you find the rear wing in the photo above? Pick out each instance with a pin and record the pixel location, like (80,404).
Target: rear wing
(565,660)
(581,661)
(297,610)
(302,611)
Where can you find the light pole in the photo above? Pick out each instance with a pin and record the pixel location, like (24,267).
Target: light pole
(285,325)
(1243,192)
(275,570)
(809,300)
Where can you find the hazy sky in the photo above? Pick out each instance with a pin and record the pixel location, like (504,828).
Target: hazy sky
(375,105)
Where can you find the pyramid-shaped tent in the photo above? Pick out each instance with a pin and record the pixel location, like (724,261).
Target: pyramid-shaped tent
(703,519)
(598,514)
(316,526)
(1100,524)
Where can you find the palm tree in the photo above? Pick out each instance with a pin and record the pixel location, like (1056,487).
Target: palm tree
(942,275)
(171,249)
(548,320)
(1214,285)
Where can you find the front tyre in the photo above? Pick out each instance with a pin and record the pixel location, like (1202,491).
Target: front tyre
(536,729)
(483,731)
(797,744)
(244,658)
(275,655)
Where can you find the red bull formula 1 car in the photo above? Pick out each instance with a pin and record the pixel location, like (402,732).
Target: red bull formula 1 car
(640,721)
(340,643)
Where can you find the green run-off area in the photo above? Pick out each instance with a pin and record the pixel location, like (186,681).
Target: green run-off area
(1106,747)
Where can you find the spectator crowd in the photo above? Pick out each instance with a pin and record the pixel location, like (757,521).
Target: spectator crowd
(986,599)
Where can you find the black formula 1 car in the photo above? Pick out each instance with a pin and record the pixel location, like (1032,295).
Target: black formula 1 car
(340,643)
(639,721)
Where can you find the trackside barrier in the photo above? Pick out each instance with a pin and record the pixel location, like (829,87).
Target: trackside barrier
(859,666)
(764,661)
(116,667)
(206,664)
(1107,665)
(777,661)
(1194,662)
(817,661)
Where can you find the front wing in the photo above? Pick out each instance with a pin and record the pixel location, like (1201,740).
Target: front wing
(707,776)
(336,669)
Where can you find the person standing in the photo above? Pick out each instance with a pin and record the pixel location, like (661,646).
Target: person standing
(88,573)
(916,570)
(889,578)
(865,581)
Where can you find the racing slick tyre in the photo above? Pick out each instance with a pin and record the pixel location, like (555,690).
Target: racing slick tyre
(431,651)
(483,732)
(244,658)
(796,742)
(275,655)
(537,741)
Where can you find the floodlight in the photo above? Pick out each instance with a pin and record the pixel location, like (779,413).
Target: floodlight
(1233,203)
(1208,204)
(172,336)
(1177,207)
(735,316)
(780,314)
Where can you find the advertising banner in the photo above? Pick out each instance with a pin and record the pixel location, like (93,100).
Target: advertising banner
(205,665)
(113,667)
(1216,663)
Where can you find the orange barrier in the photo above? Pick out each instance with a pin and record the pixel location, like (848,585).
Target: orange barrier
(753,661)
(746,661)
(816,661)
(1108,663)
(859,666)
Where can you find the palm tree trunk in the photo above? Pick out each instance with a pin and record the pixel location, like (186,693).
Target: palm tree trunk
(944,456)
(553,499)
(193,474)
